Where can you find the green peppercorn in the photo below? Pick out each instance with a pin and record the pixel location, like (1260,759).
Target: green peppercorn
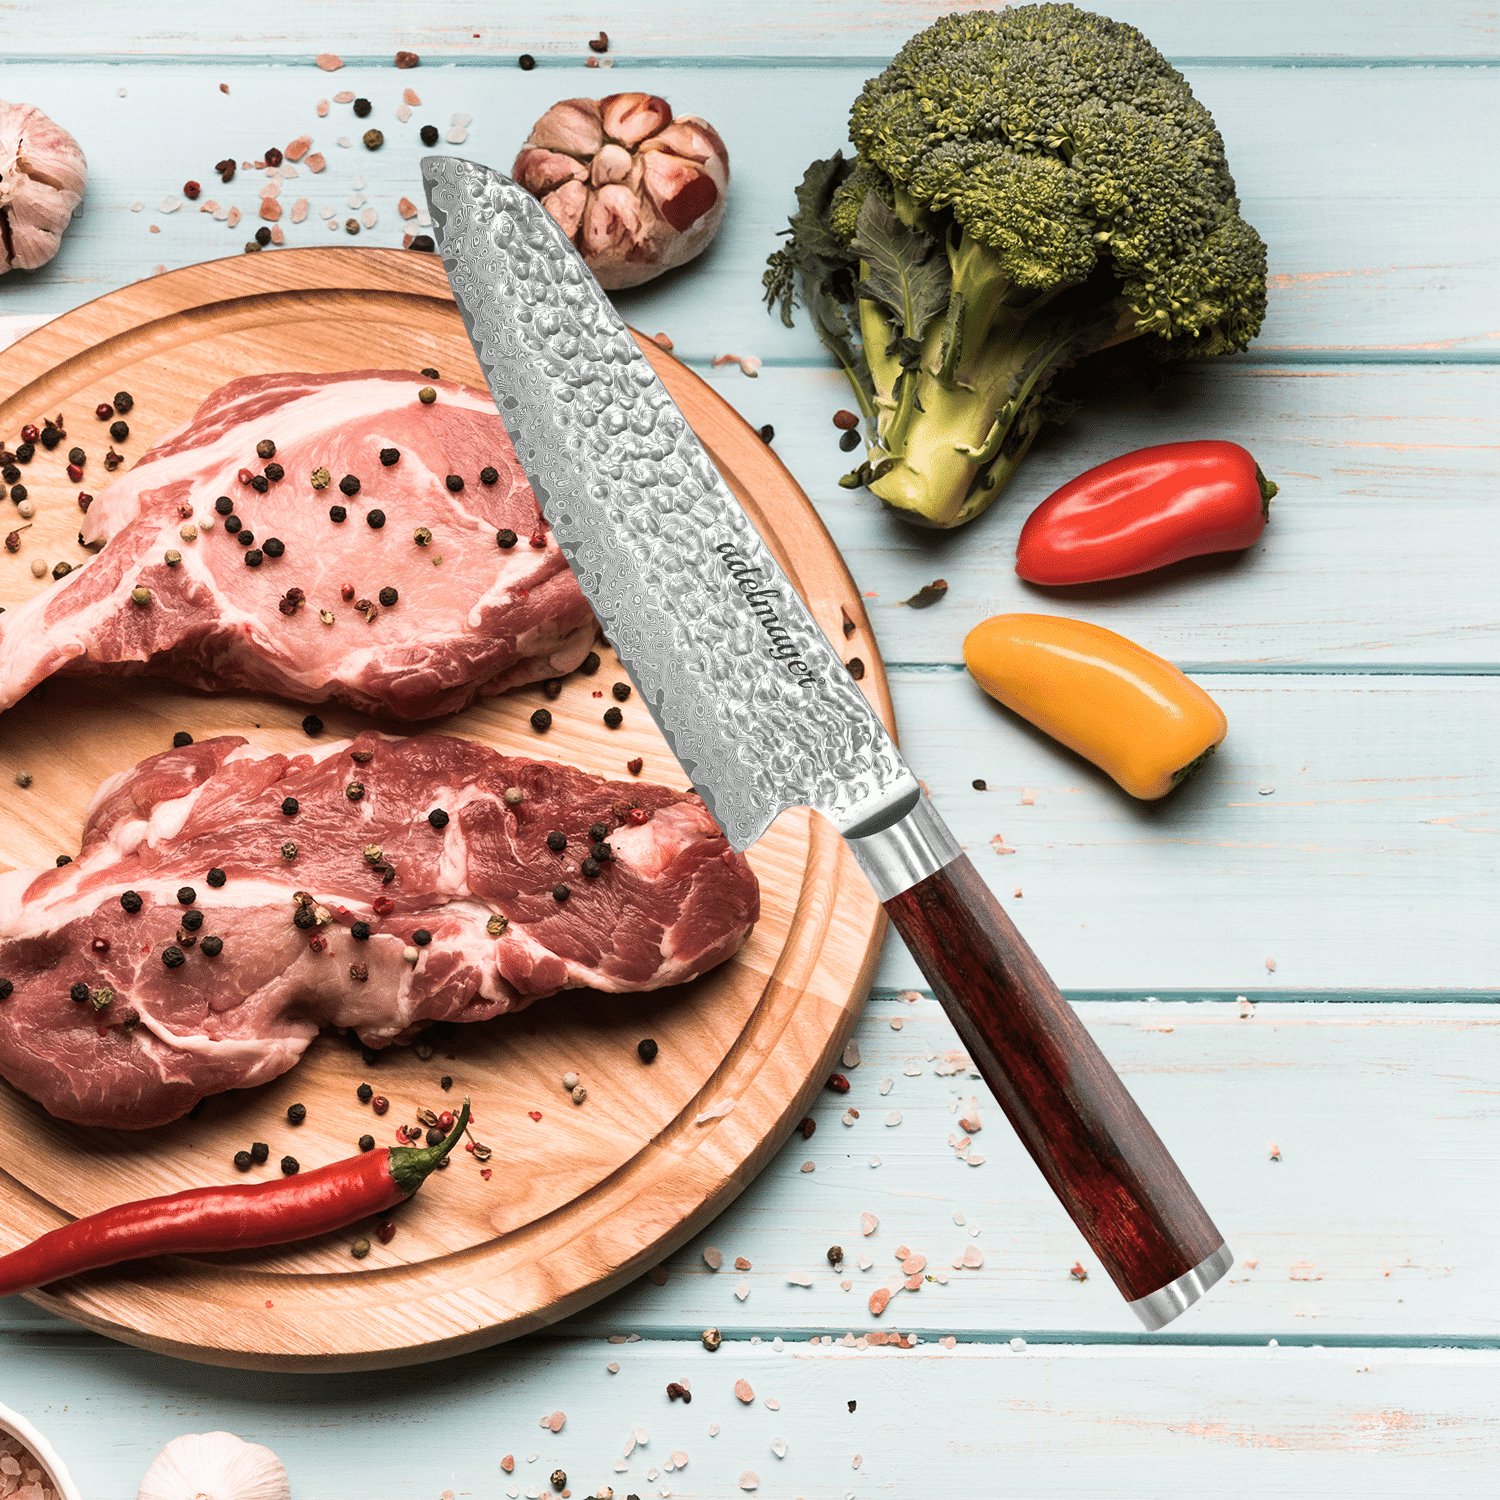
(132,902)
(505,537)
(242,1161)
(320,479)
(296,1113)
(375,519)
(289,1166)
(427,395)
(559,1480)
(172,557)
(351,226)
(421,536)
(421,937)
(541,721)
(211,947)
(388,596)
(455,483)
(289,850)
(259,1152)
(613,717)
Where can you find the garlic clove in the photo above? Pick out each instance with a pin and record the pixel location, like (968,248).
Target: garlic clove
(566,205)
(215,1466)
(572,126)
(615,226)
(42,178)
(539,170)
(681,191)
(613,164)
(695,139)
(630,118)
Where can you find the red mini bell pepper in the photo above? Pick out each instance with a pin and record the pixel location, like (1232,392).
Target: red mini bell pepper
(1144,510)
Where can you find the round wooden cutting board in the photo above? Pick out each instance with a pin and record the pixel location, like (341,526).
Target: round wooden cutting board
(575,1200)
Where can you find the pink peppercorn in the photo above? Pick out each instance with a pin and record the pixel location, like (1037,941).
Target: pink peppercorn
(75,472)
(838,1083)
(105,412)
(386,1231)
(84,501)
(445,1120)
(190,190)
(380,1104)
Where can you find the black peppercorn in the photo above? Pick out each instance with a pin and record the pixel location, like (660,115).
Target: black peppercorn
(552,687)
(131,902)
(646,1050)
(19,493)
(77,456)
(590,868)
(560,893)
(25,453)
(421,937)
(263,236)
(275,473)
(259,483)
(119,431)
(489,474)
(429,134)
(224,505)
(388,596)
(290,806)
(355,790)
(192,920)
(337,513)
(296,1113)
(265,448)
(438,818)
(349,484)
(590,664)
(289,1166)
(79,993)
(123,402)
(445,1082)
(367,1143)
(362,107)
(63,859)
(505,537)
(304,917)
(435,1137)
(613,717)
(621,691)
(598,831)
(375,519)
(244,536)
(242,1160)
(541,721)
(233,524)
(186,895)
(216,877)
(273,546)
(10,473)
(181,739)
(51,437)
(7,989)
(602,852)
(360,932)
(424,242)
(526,62)
(211,947)
(173,957)
(254,557)
(557,842)
(455,483)
(767,433)
(849,441)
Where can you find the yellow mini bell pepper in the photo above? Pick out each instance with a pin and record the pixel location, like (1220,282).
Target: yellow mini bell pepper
(1134,715)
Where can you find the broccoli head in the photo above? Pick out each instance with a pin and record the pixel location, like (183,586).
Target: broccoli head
(1030,187)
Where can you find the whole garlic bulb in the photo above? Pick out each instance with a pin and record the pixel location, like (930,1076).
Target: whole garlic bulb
(215,1466)
(637,191)
(42,177)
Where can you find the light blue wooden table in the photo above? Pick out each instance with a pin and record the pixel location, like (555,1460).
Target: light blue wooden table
(1296,951)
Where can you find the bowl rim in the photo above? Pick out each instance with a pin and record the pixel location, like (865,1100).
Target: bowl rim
(18,1426)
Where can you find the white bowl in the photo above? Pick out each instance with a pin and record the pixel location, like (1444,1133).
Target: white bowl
(17,1426)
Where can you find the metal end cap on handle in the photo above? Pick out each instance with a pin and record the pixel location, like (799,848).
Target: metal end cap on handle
(1158,1308)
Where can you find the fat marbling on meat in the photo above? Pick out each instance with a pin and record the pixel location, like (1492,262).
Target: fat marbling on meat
(97,1026)
(471,617)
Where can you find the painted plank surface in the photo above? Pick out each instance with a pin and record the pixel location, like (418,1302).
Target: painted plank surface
(1376,1225)
(695,30)
(1371,862)
(1387,481)
(1069,1423)
(1315,155)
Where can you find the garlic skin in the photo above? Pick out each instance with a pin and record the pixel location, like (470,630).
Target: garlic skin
(637,191)
(215,1466)
(42,177)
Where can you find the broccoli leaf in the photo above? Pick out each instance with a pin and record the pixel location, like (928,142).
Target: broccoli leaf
(907,273)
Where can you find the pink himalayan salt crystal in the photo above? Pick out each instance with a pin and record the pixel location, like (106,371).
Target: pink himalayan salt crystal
(330,62)
(880,1299)
(407,209)
(410,96)
(914,1264)
(868,1224)
(973,1257)
(316,162)
(322,108)
(556,1420)
(743,1391)
(299,213)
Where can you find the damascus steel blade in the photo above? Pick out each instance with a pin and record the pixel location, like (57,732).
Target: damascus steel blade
(754,701)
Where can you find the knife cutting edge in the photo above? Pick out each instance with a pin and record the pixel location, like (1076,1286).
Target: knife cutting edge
(763,716)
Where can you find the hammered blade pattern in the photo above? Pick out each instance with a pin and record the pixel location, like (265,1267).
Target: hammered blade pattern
(754,701)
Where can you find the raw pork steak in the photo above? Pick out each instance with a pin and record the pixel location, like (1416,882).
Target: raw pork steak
(384,917)
(471,617)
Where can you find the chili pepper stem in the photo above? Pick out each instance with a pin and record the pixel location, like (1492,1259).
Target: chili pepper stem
(410,1166)
(1268,491)
(1195,765)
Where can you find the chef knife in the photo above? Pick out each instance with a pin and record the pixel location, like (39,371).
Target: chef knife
(762,714)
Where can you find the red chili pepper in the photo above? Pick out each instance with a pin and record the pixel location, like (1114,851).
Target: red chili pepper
(228,1218)
(1144,510)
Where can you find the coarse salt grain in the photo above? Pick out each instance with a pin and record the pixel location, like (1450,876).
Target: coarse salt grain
(864,1262)
(742,1290)
(894,1117)
(975,1161)
(424,218)
(868,1223)
(913,1068)
(369,218)
(679,1458)
(713,1257)
(462,119)
(750,366)
(741,1264)
(771,1403)
(887,1084)
(403,112)
(778,1447)
(880,1299)
(299,210)
(410,96)
(232,218)
(713,1429)
(344,141)
(327,213)
(356,200)
(799,1278)
(948,1341)
(808,1166)
(456,136)
(270,209)
(973,1257)
(749,1480)
(208,206)
(849,1117)
(271,189)
(278,237)
(874,1161)
(169,205)
(613,1368)
(322,108)
(556,1420)
(297,149)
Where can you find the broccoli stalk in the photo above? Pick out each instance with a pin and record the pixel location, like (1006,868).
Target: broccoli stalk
(1031,188)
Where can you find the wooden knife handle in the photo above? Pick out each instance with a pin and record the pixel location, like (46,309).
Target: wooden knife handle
(1094,1146)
